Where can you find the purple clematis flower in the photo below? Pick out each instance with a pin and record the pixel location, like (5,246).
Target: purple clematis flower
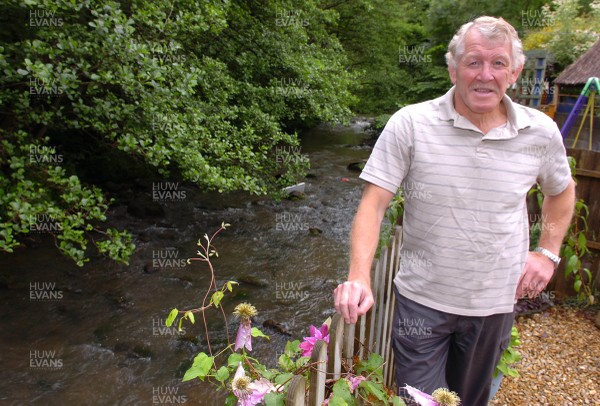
(248,392)
(315,334)
(245,312)
(244,335)
(355,381)
(421,398)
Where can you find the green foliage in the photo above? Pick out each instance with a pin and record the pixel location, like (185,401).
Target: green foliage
(203,90)
(200,368)
(573,251)
(389,46)
(393,216)
(570,29)
(574,247)
(444,17)
(380,121)
(510,356)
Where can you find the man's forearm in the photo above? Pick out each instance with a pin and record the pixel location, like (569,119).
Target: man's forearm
(365,233)
(557,213)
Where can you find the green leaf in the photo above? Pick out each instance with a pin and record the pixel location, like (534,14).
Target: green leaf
(371,365)
(222,374)
(230,285)
(292,348)
(577,285)
(257,333)
(397,401)
(373,388)
(190,316)
(231,400)
(342,389)
(589,274)
(511,372)
(285,363)
(171,318)
(337,400)
(269,374)
(302,361)
(274,399)
(216,298)
(200,368)
(234,359)
(582,241)
(572,263)
(283,378)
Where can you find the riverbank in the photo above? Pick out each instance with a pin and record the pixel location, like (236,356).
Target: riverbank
(68,329)
(561,360)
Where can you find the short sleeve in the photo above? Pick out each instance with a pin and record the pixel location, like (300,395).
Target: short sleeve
(555,173)
(390,160)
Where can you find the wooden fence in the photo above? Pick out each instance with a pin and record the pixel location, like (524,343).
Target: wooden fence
(372,333)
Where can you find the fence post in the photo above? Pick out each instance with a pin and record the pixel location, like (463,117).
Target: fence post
(334,349)
(387,352)
(296,392)
(348,349)
(318,359)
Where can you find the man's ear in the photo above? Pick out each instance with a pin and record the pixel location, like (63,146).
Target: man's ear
(452,73)
(515,75)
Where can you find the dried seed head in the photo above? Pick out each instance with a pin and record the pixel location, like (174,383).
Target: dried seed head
(445,397)
(241,385)
(245,311)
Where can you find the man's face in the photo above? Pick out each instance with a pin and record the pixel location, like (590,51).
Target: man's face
(482,75)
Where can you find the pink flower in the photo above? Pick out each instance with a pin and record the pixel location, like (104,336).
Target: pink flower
(309,342)
(245,312)
(421,398)
(248,392)
(355,381)
(244,335)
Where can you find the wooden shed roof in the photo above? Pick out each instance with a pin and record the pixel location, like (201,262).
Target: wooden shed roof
(582,69)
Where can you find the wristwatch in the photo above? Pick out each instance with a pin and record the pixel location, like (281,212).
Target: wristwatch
(548,254)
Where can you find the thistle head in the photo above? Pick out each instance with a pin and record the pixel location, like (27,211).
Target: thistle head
(245,311)
(445,397)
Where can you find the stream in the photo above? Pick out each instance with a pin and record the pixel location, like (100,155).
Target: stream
(96,336)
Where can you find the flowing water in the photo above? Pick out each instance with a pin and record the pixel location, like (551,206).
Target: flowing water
(96,335)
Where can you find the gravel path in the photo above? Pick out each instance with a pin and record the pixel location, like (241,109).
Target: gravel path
(561,361)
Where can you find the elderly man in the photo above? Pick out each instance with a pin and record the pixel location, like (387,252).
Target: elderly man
(472,155)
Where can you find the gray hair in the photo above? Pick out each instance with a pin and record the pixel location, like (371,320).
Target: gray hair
(491,28)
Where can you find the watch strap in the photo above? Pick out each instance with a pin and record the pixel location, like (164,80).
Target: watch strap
(550,255)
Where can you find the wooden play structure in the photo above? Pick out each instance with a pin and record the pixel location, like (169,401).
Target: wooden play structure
(588,97)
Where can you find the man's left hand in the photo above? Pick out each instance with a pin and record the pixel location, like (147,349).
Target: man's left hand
(537,273)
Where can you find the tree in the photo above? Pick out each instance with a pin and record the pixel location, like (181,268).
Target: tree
(567,29)
(389,47)
(203,90)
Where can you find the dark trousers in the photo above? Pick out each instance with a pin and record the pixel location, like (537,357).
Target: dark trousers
(433,349)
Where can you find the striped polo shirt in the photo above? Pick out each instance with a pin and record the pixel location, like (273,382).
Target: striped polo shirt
(466,229)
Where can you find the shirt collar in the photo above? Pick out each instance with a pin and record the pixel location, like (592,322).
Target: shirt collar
(517,119)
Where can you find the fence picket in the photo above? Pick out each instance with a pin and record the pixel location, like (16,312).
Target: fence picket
(334,349)
(296,392)
(318,359)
